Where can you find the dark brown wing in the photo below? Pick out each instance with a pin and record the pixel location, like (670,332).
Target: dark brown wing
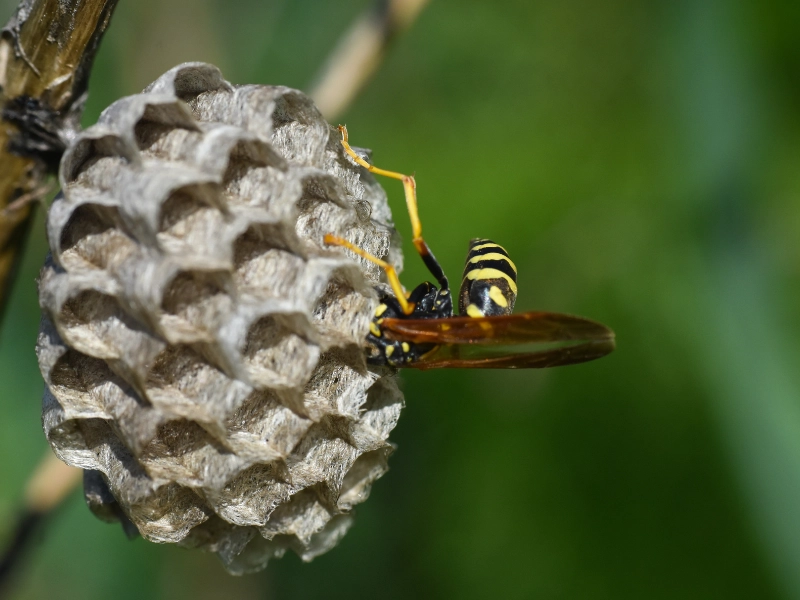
(524,328)
(483,357)
(475,343)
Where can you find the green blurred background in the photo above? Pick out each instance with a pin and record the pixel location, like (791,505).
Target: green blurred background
(639,160)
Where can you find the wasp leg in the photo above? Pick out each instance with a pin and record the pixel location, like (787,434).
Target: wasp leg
(391,274)
(410,188)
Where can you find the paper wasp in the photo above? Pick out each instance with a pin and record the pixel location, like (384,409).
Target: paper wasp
(418,329)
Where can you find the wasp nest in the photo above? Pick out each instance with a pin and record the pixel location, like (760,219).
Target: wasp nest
(202,347)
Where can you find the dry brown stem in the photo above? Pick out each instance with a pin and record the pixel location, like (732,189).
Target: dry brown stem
(51,482)
(46,53)
(360,52)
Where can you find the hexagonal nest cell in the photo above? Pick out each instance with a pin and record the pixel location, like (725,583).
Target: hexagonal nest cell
(202,347)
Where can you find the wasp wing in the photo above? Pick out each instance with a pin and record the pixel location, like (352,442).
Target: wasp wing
(483,357)
(524,328)
(476,343)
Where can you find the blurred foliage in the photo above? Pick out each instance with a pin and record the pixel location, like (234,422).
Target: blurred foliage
(639,160)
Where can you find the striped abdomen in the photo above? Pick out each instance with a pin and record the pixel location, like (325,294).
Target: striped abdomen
(489,286)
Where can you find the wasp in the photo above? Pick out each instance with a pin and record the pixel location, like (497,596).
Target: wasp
(418,329)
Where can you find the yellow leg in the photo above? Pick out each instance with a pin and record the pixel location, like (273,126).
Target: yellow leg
(410,187)
(391,274)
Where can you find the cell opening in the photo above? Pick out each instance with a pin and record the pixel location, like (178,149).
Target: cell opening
(264,267)
(178,439)
(97,325)
(185,206)
(277,356)
(92,238)
(91,307)
(199,299)
(342,314)
(253,185)
(299,131)
(80,373)
(89,152)
(320,186)
(366,470)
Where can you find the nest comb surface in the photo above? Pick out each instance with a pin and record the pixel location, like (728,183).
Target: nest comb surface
(201,346)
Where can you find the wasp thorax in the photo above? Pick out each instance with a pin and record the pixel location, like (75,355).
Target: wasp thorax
(202,347)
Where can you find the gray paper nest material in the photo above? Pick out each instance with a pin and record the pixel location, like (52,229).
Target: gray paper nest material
(202,347)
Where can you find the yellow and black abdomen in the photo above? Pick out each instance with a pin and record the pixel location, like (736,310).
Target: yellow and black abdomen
(489,286)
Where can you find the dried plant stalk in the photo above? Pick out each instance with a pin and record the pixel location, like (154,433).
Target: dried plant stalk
(202,348)
(46,54)
(360,52)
